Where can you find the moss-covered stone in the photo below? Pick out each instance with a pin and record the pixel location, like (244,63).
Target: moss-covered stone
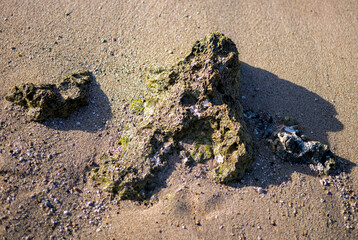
(52,100)
(191,108)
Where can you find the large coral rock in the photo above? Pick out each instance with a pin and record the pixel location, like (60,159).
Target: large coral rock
(56,100)
(191,111)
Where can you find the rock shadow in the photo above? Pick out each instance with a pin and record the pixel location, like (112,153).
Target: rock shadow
(90,118)
(264,92)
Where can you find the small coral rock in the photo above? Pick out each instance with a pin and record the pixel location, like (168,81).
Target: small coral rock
(289,145)
(190,109)
(52,100)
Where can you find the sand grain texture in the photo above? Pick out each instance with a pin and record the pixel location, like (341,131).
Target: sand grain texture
(299,59)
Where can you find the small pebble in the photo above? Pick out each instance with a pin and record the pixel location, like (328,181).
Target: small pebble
(259,190)
(66,212)
(68,230)
(323,182)
(47,204)
(54,222)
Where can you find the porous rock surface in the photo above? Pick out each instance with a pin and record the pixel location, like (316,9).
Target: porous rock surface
(290,145)
(52,100)
(191,112)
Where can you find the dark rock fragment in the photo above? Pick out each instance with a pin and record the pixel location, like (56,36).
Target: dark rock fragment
(289,145)
(52,100)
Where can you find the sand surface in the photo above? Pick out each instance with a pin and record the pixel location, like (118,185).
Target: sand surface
(299,59)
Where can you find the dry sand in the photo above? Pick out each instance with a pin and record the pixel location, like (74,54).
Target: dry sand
(299,59)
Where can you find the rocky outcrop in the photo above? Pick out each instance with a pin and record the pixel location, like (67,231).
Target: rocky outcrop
(52,100)
(191,111)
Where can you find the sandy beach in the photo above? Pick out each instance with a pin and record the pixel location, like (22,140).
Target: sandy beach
(299,59)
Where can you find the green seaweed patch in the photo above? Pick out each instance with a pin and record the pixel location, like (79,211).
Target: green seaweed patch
(123,141)
(159,79)
(137,106)
(208,151)
(103,156)
(105,176)
(99,174)
(201,152)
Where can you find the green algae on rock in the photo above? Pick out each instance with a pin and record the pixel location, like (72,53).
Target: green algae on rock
(137,106)
(52,100)
(191,111)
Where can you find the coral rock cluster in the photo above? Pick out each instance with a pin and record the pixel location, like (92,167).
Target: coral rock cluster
(191,111)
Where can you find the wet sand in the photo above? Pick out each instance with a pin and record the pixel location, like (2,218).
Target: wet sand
(299,59)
